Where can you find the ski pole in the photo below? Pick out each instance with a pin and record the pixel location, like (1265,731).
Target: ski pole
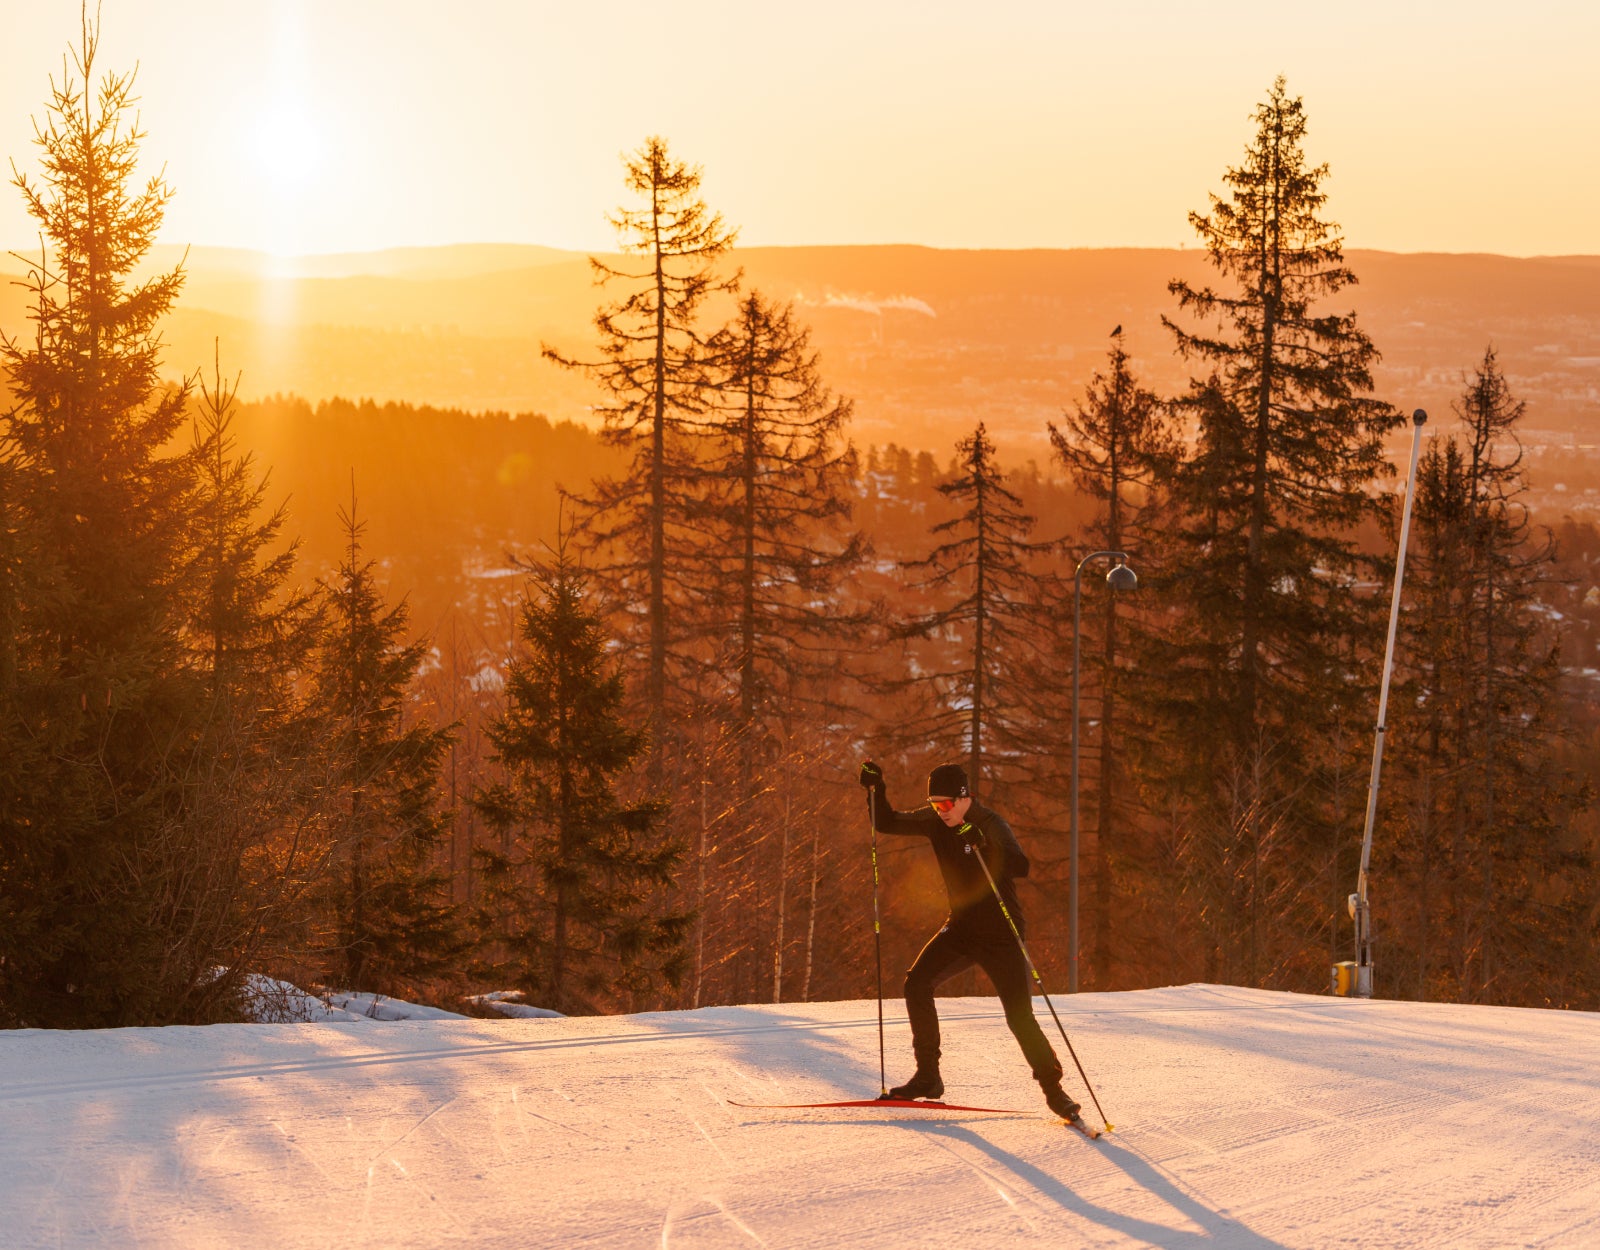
(877,943)
(1028,959)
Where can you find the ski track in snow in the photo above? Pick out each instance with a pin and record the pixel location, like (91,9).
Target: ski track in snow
(1246,1120)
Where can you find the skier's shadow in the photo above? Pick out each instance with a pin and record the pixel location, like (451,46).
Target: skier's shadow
(1218,1230)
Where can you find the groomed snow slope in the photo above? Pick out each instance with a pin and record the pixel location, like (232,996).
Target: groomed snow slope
(1244,1119)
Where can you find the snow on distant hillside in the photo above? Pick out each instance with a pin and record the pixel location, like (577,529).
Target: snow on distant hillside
(1244,1119)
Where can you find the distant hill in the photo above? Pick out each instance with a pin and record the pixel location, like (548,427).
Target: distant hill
(927,341)
(455,260)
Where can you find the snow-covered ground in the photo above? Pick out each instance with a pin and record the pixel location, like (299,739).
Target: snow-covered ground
(1244,1119)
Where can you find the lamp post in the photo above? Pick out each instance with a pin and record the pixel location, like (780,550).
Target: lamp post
(1120,577)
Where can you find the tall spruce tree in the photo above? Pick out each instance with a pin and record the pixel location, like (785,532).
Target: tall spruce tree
(575,905)
(111,915)
(653,371)
(389,924)
(250,627)
(778,501)
(1264,635)
(1118,447)
(251,635)
(983,566)
(1484,907)
(775,517)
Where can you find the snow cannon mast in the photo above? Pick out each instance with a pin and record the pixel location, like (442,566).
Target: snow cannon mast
(1353,978)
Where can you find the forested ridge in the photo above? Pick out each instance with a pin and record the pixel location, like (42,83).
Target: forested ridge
(430,702)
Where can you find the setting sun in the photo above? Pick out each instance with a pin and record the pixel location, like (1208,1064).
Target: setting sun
(287,144)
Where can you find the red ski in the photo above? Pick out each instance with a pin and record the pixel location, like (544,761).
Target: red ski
(911,1103)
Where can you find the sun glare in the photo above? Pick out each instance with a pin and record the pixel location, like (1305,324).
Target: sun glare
(288,144)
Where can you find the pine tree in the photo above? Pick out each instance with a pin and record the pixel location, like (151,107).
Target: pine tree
(1481,850)
(251,629)
(984,562)
(1257,655)
(251,635)
(653,370)
(774,517)
(779,475)
(576,901)
(112,907)
(390,921)
(1118,447)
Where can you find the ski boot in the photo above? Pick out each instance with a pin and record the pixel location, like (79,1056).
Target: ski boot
(1057,1100)
(924,1083)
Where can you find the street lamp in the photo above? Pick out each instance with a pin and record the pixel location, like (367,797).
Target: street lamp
(1121,577)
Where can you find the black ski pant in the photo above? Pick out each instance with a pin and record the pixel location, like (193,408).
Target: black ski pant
(953,950)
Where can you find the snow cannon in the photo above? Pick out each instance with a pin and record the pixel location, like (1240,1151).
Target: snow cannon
(1351,980)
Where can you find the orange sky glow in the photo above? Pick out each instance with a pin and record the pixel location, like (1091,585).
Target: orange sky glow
(293,127)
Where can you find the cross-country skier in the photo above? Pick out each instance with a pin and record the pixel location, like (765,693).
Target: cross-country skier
(958,828)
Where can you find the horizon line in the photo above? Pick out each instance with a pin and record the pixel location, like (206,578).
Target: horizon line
(267,254)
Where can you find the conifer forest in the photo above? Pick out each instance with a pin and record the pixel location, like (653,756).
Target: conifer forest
(435,702)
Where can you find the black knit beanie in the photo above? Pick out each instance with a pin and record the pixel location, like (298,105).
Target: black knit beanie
(949,781)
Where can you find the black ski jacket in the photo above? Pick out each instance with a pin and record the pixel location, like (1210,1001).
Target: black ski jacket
(972,905)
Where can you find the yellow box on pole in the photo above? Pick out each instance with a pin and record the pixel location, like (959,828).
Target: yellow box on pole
(1344,978)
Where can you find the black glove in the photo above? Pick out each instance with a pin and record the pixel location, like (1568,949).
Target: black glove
(870,776)
(970,834)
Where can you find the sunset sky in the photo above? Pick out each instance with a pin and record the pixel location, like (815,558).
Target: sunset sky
(298,127)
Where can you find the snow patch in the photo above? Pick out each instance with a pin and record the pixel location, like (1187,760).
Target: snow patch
(488,679)
(509,1003)
(271,1001)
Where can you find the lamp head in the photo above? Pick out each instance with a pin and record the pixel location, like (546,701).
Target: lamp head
(1121,577)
